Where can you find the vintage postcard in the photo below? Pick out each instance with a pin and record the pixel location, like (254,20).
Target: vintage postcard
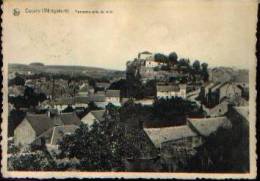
(129,89)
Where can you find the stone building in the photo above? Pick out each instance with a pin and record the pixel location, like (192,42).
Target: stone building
(35,128)
(168,91)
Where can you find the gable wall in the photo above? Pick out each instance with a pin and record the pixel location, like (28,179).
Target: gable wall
(24,134)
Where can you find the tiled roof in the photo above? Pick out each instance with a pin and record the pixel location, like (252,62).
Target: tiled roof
(99,114)
(203,127)
(71,100)
(97,98)
(243,110)
(113,93)
(102,84)
(69,119)
(206,126)
(42,122)
(160,135)
(100,93)
(168,88)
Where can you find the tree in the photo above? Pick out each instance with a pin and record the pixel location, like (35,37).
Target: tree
(101,147)
(120,85)
(33,98)
(173,58)
(196,66)
(169,109)
(105,145)
(226,150)
(183,62)
(161,58)
(204,67)
(69,108)
(205,73)
(16,81)
(31,161)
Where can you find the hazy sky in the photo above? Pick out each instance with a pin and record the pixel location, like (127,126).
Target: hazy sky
(217,32)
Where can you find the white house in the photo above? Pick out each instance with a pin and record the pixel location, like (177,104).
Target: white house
(229,90)
(34,127)
(151,63)
(93,116)
(168,91)
(84,90)
(113,96)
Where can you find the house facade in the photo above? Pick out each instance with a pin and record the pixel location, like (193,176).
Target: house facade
(93,116)
(229,90)
(169,91)
(113,96)
(35,127)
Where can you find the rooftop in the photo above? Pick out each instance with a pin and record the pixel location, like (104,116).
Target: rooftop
(99,114)
(243,111)
(168,88)
(206,126)
(160,135)
(113,93)
(42,122)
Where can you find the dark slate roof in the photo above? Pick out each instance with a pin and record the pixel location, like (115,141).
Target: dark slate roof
(97,98)
(69,119)
(113,93)
(100,93)
(40,122)
(64,101)
(81,99)
(71,100)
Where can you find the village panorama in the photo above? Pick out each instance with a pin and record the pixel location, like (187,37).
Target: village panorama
(164,113)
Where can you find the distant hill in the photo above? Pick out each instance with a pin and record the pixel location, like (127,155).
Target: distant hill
(222,74)
(65,69)
(36,64)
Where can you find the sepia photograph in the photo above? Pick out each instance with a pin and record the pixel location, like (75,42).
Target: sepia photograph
(129,89)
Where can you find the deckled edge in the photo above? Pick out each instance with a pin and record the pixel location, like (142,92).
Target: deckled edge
(253,76)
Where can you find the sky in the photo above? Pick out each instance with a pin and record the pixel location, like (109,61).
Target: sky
(220,33)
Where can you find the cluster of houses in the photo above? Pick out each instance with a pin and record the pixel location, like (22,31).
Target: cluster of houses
(173,143)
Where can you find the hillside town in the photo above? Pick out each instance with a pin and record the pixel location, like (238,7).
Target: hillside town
(165,114)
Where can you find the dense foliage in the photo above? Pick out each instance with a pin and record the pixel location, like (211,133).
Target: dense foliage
(223,151)
(169,109)
(135,88)
(31,161)
(29,99)
(16,81)
(103,146)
